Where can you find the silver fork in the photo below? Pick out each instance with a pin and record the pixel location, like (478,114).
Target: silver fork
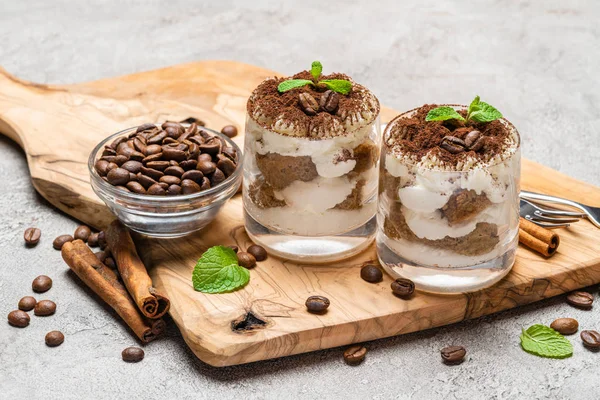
(547,218)
(592,213)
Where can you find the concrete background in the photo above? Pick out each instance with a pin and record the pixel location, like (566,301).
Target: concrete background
(537,61)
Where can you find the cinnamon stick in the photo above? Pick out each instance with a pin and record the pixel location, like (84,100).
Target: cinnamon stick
(539,239)
(150,301)
(103,281)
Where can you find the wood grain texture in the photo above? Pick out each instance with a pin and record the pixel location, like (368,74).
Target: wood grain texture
(57,126)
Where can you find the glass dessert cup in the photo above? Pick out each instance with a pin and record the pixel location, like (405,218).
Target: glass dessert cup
(311,199)
(449,230)
(164,216)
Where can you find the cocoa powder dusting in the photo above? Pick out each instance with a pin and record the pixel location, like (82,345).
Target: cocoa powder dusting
(416,137)
(285,107)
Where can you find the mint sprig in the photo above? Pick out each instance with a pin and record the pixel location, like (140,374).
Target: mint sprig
(544,341)
(337,85)
(478,111)
(217,271)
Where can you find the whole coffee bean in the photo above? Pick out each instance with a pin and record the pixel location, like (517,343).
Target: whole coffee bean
(317,304)
(54,338)
(170,180)
(226,165)
(136,187)
(478,145)
(229,131)
(158,165)
(174,170)
(194,175)
(102,240)
(403,287)
(453,144)
(308,104)
(32,236)
(101,255)
(174,190)
(152,173)
(230,152)
(580,299)
(355,355)
(101,167)
(145,127)
(163,185)
(205,184)
(206,167)
(41,284)
(329,101)
(44,308)
(18,318)
(246,260)
(110,167)
(156,138)
(590,339)
(173,154)
(217,177)
(212,147)
(453,354)
(188,164)
(205,157)
(565,326)
(82,232)
(27,303)
(472,137)
(156,190)
(145,181)
(153,157)
(153,149)
(110,263)
(132,166)
(61,240)
(132,354)
(115,143)
(120,159)
(258,252)
(371,273)
(188,186)
(93,240)
(118,176)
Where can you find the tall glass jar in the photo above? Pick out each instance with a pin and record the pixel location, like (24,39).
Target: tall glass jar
(448,229)
(311,198)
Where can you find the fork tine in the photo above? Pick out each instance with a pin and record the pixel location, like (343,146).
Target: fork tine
(547,224)
(541,211)
(543,218)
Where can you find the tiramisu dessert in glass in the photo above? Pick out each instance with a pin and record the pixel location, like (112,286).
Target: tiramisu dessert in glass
(448,215)
(311,166)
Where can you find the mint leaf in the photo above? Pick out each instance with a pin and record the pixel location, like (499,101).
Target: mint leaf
(474,106)
(315,69)
(544,341)
(442,114)
(485,113)
(217,271)
(292,84)
(337,85)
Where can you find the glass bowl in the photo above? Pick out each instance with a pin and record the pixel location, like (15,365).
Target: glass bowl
(164,216)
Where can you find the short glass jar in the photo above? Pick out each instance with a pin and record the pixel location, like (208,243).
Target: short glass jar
(449,230)
(311,199)
(165,216)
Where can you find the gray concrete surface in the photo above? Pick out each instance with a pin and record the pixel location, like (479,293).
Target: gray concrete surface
(537,61)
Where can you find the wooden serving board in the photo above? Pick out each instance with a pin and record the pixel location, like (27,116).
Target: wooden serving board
(58,126)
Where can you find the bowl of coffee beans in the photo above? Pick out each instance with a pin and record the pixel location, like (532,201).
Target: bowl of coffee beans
(166,180)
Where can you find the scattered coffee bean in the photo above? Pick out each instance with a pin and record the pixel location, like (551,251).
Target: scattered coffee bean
(102,240)
(371,273)
(580,299)
(93,240)
(246,260)
(472,137)
(453,354)
(453,144)
(258,252)
(41,284)
(478,145)
(54,338)
(590,339)
(565,326)
(82,232)
(329,101)
(229,131)
(18,318)
(101,255)
(308,104)
(317,304)
(355,355)
(132,354)
(27,303)
(161,154)
(403,287)
(110,263)
(32,236)
(61,240)
(44,308)
(234,248)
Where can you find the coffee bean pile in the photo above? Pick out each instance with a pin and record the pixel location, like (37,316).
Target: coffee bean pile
(170,160)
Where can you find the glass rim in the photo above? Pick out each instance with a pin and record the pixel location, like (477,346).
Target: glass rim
(113,190)
(504,121)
